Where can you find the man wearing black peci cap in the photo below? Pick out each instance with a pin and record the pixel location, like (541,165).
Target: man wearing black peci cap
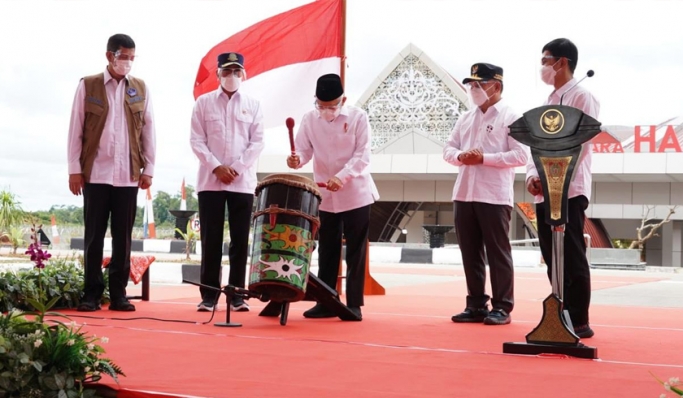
(227,138)
(337,137)
(483,194)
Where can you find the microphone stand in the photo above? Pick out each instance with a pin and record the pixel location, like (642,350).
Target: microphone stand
(590,73)
(230,292)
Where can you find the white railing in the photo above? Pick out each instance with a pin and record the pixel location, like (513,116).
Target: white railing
(586,237)
(523,241)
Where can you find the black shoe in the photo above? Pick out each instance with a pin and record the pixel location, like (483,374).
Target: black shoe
(206,306)
(88,306)
(319,311)
(584,331)
(121,305)
(471,315)
(356,311)
(497,317)
(238,304)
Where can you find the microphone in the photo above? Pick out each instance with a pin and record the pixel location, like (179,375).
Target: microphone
(290,126)
(590,73)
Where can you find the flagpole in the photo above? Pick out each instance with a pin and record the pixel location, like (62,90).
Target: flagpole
(342,73)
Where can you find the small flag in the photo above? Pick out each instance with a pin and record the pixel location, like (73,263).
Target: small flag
(55,232)
(148,217)
(183,200)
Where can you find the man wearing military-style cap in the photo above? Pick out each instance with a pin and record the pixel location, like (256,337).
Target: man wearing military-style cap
(483,194)
(337,138)
(227,138)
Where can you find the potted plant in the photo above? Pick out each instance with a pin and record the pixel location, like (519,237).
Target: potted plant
(190,237)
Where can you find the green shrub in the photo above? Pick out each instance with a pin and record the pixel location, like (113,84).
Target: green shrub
(61,277)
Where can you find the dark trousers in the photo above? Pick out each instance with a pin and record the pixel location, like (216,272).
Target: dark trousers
(355,225)
(211,218)
(483,226)
(577,278)
(99,201)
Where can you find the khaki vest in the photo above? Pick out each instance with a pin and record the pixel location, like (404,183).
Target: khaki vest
(96,112)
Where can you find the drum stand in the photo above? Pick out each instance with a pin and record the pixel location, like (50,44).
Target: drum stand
(316,290)
(274,309)
(230,292)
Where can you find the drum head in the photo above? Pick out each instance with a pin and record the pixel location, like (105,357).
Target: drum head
(293,180)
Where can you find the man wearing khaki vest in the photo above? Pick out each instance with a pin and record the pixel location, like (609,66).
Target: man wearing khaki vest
(111,153)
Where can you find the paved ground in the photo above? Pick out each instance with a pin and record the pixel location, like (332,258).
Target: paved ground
(611,287)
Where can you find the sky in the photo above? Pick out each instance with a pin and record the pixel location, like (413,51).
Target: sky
(634,47)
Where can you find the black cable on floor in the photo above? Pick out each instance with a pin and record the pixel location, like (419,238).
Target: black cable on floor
(213,312)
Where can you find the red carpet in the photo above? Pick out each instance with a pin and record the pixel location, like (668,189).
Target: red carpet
(406,346)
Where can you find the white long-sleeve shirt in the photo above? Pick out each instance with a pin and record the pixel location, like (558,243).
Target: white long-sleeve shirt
(112,162)
(227,131)
(582,99)
(341,149)
(491,181)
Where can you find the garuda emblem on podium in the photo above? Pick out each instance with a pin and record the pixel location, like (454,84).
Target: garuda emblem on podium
(552,121)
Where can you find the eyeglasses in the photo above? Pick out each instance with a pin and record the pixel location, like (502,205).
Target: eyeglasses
(323,107)
(546,58)
(231,71)
(479,83)
(123,57)
(474,84)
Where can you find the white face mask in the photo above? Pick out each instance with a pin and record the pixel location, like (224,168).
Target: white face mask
(548,74)
(329,114)
(479,96)
(231,83)
(122,67)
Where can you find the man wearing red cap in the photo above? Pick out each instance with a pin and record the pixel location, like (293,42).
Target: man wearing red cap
(337,137)
(227,137)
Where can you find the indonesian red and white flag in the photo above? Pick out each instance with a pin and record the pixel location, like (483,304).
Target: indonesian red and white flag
(183,198)
(283,57)
(55,232)
(150,231)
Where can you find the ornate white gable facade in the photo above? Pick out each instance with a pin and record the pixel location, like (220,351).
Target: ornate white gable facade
(413,105)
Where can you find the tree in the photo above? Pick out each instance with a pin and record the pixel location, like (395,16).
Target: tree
(651,228)
(139,214)
(66,214)
(11,213)
(73,215)
(162,204)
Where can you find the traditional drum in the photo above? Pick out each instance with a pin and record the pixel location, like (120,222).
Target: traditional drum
(285,224)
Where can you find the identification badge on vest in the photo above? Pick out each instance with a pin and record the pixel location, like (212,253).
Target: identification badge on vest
(132,91)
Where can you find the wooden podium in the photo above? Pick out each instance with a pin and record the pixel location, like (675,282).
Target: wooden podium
(555,135)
